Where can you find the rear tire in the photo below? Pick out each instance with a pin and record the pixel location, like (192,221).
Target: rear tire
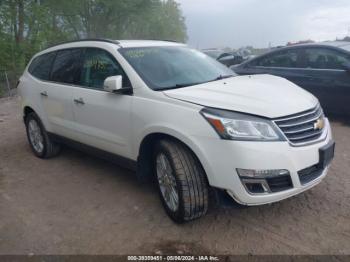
(188,178)
(39,140)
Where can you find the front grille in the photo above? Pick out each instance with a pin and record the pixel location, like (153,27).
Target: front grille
(279,183)
(302,127)
(310,173)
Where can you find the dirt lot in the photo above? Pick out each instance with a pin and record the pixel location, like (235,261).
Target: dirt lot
(77,204)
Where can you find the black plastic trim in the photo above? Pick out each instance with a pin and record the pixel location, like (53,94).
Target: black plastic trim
(309,174)
(223,199)
(279,183)
(124,90)
(119,160)
(164,40)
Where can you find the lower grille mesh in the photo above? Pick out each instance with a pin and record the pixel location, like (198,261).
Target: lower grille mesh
(279,183)
(310,173)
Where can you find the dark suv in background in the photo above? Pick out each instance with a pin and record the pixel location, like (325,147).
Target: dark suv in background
(323,69)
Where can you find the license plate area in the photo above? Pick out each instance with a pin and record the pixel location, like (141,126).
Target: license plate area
(326,154)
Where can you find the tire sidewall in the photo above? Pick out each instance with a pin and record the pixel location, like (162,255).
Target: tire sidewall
(178,215)
(33,116)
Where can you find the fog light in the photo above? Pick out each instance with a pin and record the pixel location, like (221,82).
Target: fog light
(250,173)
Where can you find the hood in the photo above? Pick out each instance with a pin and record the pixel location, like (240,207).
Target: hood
(263,95)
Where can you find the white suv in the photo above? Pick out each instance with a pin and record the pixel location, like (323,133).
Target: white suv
(175,114)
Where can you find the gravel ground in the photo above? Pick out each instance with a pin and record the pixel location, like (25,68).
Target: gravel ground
(77,204)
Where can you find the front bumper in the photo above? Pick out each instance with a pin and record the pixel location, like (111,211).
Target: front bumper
(222,158)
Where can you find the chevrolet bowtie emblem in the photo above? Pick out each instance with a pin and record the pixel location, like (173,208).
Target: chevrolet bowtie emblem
(319,124)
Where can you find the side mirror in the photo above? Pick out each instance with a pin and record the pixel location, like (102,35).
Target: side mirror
(114,84)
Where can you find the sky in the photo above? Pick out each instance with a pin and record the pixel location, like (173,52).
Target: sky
(237,23)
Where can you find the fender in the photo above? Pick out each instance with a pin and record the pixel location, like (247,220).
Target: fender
(172,131)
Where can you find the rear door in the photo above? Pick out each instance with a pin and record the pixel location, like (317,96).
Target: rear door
(102,118)
(38,85)
(326,78)
(57,93)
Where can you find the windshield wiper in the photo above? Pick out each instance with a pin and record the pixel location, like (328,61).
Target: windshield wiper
(220,77)
(178,86)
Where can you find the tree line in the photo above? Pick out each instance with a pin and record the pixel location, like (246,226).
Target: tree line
(27,26)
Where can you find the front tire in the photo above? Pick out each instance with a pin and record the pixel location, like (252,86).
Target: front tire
(39,140)
(181,181)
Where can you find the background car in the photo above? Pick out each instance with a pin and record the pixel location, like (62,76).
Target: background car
(226,58)
(245,53)
(322,69)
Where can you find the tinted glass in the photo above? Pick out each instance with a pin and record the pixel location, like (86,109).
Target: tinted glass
(173,66)
(97,66)
(322,58)
(287,58)
(41,66)
(66,68)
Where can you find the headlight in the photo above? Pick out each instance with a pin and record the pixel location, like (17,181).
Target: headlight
(238,126)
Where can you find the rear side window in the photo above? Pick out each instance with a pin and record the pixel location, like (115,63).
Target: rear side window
(287,58)
(66,68)
(41,66)
(97,66)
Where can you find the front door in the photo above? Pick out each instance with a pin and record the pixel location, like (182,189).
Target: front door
(102,118)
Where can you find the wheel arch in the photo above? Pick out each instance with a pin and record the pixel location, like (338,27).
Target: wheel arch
(144,159)
(27,110)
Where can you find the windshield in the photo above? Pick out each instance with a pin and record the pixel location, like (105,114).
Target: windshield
(174,67)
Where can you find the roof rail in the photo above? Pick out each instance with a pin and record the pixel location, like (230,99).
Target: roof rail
(87,39)
(165,40)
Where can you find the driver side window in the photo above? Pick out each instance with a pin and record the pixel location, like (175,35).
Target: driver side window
(97,65)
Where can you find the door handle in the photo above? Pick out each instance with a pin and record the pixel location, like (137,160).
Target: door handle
(79,101)
(44,93)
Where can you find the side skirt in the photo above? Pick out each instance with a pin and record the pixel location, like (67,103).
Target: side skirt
(119,160)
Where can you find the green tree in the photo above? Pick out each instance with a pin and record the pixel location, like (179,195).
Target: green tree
(27,26)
